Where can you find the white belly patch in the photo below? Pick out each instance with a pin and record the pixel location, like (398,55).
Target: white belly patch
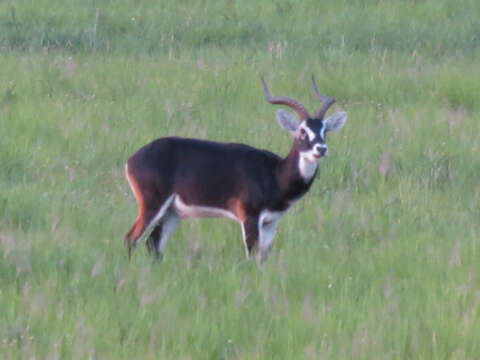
(193,211)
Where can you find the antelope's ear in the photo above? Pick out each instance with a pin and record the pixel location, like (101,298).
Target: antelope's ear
(287,121)
(336,121)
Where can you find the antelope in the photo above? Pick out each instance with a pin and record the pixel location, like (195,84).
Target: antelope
(176,178)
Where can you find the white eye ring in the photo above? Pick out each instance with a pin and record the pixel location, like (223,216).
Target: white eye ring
(303,134)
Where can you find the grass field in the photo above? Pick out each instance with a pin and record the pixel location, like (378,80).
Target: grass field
(381,260)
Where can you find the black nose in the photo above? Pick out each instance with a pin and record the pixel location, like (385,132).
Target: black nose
(321,150)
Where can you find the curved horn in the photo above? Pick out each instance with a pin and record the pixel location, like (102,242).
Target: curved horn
(285,100)
(326,100)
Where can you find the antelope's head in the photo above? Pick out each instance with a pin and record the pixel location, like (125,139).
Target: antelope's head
(310,131)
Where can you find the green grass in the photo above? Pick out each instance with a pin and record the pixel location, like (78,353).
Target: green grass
(379,260)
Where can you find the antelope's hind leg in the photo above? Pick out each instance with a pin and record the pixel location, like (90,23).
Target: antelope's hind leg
(148,217)
(154,239)
(152,206)
(162,232)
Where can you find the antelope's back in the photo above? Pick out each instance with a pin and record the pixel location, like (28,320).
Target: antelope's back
(205,172)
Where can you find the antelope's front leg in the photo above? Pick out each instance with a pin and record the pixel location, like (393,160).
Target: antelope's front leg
(267,236)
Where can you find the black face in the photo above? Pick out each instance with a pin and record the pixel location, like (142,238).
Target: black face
(312,138)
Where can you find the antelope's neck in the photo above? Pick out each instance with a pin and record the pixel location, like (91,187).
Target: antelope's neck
(295,175)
